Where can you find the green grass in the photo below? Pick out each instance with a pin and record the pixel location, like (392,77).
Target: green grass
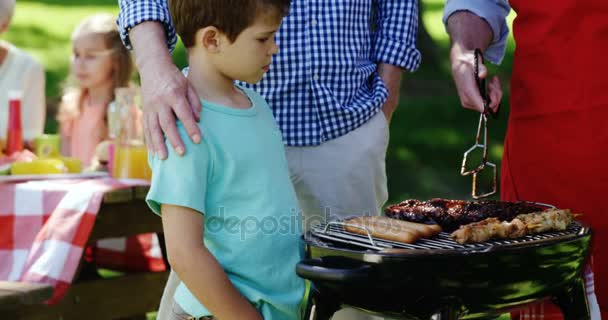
(429,132)
(44,28)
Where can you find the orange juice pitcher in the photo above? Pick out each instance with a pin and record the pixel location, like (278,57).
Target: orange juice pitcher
(130,153)
(131,161)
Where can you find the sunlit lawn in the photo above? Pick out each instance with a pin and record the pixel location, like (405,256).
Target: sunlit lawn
(429,132)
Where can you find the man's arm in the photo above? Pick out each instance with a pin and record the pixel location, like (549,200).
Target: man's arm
(394,45)
(145,26)
(391,76)
(135,12)
(198,268)
(475,24)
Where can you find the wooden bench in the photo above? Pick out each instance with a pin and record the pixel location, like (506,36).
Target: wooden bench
(21,294)
(122,213)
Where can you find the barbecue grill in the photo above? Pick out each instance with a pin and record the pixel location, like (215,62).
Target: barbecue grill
(438,278)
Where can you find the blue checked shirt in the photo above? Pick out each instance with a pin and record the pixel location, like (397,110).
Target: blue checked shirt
(323,82)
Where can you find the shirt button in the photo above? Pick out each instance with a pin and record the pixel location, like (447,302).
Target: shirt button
(315,77)
(313,22)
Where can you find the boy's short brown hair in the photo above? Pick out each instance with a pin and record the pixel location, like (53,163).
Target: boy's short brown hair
(229,16)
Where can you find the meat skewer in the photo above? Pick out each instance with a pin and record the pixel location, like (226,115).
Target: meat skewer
(522,225)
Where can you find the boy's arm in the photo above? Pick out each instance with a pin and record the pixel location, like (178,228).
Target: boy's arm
(198,268)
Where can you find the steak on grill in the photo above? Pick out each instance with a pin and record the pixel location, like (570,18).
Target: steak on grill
(451,214)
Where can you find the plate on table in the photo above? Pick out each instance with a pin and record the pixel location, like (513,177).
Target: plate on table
(33,177)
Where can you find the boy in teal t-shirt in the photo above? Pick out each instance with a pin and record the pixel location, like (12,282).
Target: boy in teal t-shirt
(229,211)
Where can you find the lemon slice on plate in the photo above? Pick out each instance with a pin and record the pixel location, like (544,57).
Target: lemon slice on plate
(39,166)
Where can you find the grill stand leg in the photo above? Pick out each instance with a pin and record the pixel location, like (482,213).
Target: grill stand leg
(320,308)
(449,309)
(573,301)
(447,312)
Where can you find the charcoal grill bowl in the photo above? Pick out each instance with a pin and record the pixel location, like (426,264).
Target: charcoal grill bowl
(455,283)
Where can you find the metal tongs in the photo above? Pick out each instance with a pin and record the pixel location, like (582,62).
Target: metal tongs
(482,127)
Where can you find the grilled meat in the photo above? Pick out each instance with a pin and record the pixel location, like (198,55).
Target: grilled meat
(451,214)
(548,220)
(522,225)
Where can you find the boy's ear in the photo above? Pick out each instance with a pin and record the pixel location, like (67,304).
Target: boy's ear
(209,38)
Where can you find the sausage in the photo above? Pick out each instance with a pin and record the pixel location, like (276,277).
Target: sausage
(380,231)
(384,223)
(425,230)
(420,229)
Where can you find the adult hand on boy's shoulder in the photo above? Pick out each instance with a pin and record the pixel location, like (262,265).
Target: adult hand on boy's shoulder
(166,93)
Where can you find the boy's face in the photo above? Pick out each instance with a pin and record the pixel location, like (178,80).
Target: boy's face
(248,58)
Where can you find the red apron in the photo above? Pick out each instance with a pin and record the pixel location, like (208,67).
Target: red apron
(556,149)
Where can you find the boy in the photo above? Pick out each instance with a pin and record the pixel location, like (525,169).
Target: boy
(228,207)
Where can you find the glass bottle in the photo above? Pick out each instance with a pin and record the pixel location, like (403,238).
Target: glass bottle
(130,152)
(14,134)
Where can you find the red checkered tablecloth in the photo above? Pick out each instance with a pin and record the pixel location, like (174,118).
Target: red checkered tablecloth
(45,225)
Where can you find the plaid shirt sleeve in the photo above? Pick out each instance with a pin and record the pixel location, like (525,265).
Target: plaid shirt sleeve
(394,40)
(134,12)
(494,12)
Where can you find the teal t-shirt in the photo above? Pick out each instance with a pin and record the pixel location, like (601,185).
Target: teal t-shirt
(239,179)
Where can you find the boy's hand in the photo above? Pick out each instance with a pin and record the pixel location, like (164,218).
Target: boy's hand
(166,93)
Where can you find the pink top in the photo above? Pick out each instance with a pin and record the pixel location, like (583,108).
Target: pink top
(81,135)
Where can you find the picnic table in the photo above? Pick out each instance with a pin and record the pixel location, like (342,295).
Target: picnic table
(129,295)
(21,293)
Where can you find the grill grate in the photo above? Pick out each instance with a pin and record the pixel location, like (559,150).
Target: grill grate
(334,231)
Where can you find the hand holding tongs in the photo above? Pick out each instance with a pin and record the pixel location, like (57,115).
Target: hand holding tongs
(483,126)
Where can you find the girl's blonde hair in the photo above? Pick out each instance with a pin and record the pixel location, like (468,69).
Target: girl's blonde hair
(104,25)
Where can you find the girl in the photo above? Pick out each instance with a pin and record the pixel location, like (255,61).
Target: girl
(100,64)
